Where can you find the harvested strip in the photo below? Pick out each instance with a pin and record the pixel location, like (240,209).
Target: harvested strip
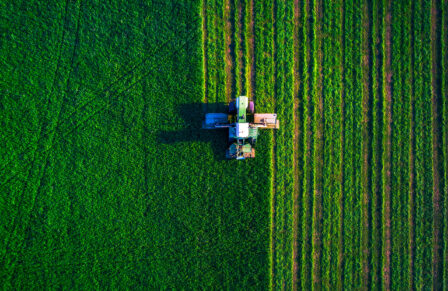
(445,135)
(204,47)
(250,48)
(437,154)
(229,51)
(386,172)
(377,128)
(298,140)
(411,209)
(366,143)
(241,45)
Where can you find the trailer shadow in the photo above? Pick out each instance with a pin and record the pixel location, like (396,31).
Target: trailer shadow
(193,115)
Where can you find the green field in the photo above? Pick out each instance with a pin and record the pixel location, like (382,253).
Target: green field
(108,182)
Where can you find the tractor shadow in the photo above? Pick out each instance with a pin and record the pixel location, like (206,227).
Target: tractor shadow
(193,115)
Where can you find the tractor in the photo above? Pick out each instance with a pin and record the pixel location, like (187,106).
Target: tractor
(243,124)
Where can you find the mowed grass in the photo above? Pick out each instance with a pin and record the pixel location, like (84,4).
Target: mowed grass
(106,179)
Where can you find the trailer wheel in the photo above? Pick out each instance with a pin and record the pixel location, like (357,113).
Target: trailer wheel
(251,107)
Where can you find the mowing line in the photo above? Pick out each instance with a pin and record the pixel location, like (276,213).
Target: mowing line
(423,266)
(405,149)
(377,129)
(298,139)
(399,174)
(275,255)
(366,142)
(229,52)
(445,136)
(288,139)
(306,275)
(318,103)
(357,142)
(236,65)
(334,115)
(250,50)
(204,50)
(340,262)
(437,155)
(350,151)
(412,174)
(387,154)
(240,23)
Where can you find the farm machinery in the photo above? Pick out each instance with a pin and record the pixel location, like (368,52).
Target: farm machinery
(243,124)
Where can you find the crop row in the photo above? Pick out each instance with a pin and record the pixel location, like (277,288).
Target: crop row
(364,216)
(330,51)
(400,146)
(307,179)
(422,130)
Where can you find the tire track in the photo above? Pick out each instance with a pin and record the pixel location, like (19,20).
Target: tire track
(44,141)
(39,133)
(108,91)
(101,107)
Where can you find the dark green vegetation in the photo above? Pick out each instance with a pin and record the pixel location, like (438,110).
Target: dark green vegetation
(107,181)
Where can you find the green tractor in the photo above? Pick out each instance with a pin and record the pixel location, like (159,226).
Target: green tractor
(243,124)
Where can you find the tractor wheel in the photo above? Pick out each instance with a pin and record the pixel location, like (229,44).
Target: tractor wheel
(251,107)
(232,107)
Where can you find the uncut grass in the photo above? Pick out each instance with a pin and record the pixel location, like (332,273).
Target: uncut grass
(135,195)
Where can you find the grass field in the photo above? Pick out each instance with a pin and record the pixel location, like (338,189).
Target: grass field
(108,182)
